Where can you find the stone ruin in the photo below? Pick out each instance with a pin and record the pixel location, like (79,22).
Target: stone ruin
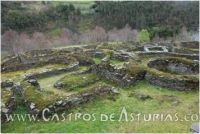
(50,72)
(150,48)
(170,72)
(182,49)
(175,66)
(71,101)
(116,75)
(122,55)
(177,83)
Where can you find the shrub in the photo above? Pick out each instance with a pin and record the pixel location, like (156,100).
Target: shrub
(144,36)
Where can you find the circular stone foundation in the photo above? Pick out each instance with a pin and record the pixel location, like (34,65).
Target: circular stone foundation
(175,66)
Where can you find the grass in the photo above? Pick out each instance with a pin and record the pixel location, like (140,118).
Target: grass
(17,75)
(48,82)
(73,82)
(188,105)
(40,98)
(49,93)
(97,60)
(116,62)
(5,94)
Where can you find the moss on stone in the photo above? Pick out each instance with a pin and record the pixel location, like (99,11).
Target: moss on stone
(5,95)
(40,98)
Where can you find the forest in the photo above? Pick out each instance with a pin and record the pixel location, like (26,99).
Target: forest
(168,16)
(95,21)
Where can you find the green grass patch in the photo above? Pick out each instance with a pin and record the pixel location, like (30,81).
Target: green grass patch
(97,60)
(5,94)
(73,82)
(116,62)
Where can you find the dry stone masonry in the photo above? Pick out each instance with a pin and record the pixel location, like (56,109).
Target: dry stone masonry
(171,65)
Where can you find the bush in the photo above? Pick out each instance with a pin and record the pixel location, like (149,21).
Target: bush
(19,21)
(163,31)
(144,36)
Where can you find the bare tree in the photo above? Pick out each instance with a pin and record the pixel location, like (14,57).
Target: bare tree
(10,41)
(124,34)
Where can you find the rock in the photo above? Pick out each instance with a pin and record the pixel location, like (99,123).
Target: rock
(106,59)
(33,82)
(58,103)
(7,83)
(58,85)
(50,106)
(195,128)
(36,110)
(27,76)
(75,101)
(98,54)
(17,89)
(115,90)
(5,110)
(64,103)
(73,66)
(32,106)
(140,96)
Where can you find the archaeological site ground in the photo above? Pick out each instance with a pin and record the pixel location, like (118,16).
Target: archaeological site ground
(102,79)
(112,81)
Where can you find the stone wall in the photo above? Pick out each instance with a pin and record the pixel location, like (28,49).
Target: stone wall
(174,66)
(50,72)
(119,76)
(164,54)
(186,51)
(173,82)
(36,58)
(21,62)
(122,55)
(7,108)
(14,99)
(78,99)
(7,83)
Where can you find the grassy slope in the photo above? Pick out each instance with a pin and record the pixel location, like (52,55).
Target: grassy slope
(132,105)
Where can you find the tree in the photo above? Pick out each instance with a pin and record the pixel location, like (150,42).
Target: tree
(144,36)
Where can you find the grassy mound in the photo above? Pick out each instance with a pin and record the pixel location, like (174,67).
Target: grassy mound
(74,82)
